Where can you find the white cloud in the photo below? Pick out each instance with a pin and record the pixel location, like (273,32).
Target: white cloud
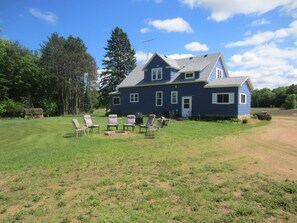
(264,37)
(179,56)
(267,65)
(195,46)
(142,57)
(171,25)
(290,9)
(260,22)
(47,16)
(144,30)
(223,10)
(293,74)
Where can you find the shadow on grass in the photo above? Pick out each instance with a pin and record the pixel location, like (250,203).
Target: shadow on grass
(68,135)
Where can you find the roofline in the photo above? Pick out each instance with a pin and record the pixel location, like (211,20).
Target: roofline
(247,79)
(157,54)
(115,92)
(160,84)
(223,86)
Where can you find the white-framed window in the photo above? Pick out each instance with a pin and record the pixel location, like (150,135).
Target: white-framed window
(189,75)
(242,98)
(159,98)
(157,74)
(223,98)
(134,98)
(219,73)
(174,97)
(116,100)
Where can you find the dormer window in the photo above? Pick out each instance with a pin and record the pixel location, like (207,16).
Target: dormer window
(189,75)
(157,74)
(219,73)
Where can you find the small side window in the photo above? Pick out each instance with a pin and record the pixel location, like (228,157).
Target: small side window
(242,98)
(116,100)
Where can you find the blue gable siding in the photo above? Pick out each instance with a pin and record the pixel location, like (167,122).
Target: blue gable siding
(172,73)
(156,63)
(245,109)
(201,100)
(219,64)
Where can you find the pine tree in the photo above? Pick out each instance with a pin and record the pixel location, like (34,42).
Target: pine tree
(118,62)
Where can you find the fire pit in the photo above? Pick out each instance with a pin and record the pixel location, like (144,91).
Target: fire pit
(115,133)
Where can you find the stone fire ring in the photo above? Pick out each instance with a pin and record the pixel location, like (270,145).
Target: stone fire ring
(115,133)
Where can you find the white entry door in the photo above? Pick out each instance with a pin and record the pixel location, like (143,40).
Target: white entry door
(186,106)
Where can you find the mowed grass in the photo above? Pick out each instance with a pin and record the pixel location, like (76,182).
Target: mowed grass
(46,175)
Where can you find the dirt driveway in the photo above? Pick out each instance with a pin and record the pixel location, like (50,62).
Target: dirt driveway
(269,150)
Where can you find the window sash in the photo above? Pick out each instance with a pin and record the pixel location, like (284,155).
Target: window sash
(134,98)
(189,75)
(242,98)
(116,100)
(159,98)
(223,98)
(219,73)
(174,99)
(156,74)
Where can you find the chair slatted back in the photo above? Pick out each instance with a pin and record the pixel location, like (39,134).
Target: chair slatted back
(130,119)
(113,119)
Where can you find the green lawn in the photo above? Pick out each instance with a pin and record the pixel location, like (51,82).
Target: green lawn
(46,175)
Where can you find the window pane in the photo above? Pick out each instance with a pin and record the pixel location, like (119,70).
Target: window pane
(226,98)
(220,98)
(223,98)
(243,98)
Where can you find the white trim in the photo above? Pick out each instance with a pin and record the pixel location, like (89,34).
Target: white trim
(174,92)
(154,77)
(221,74)
(132,98)
(245,99)
(215,98)
(192,77)
(156,98)
(119,101)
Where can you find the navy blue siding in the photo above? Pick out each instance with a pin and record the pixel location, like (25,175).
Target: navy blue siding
(115,108)
(156,63)
(201,100)
(219,64)
(223,109)
(181,77)
(245,109)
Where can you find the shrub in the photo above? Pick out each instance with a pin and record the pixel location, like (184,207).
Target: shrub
(245,121)
(262,116)
(10,108)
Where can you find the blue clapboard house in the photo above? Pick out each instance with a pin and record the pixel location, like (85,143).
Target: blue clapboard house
(194,86)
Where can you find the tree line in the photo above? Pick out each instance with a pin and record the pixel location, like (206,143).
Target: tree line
(282,97)
(62,76)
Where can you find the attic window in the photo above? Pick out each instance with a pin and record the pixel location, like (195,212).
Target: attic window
(157,74)
(219,73)
(189,75)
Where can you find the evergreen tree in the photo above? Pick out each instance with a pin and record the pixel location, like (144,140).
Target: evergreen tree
(118,62)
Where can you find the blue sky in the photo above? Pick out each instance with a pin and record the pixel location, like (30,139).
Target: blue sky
(257,37)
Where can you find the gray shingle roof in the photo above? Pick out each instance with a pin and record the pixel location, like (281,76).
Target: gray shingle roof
(205,64)
(134,78)
(228,82)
